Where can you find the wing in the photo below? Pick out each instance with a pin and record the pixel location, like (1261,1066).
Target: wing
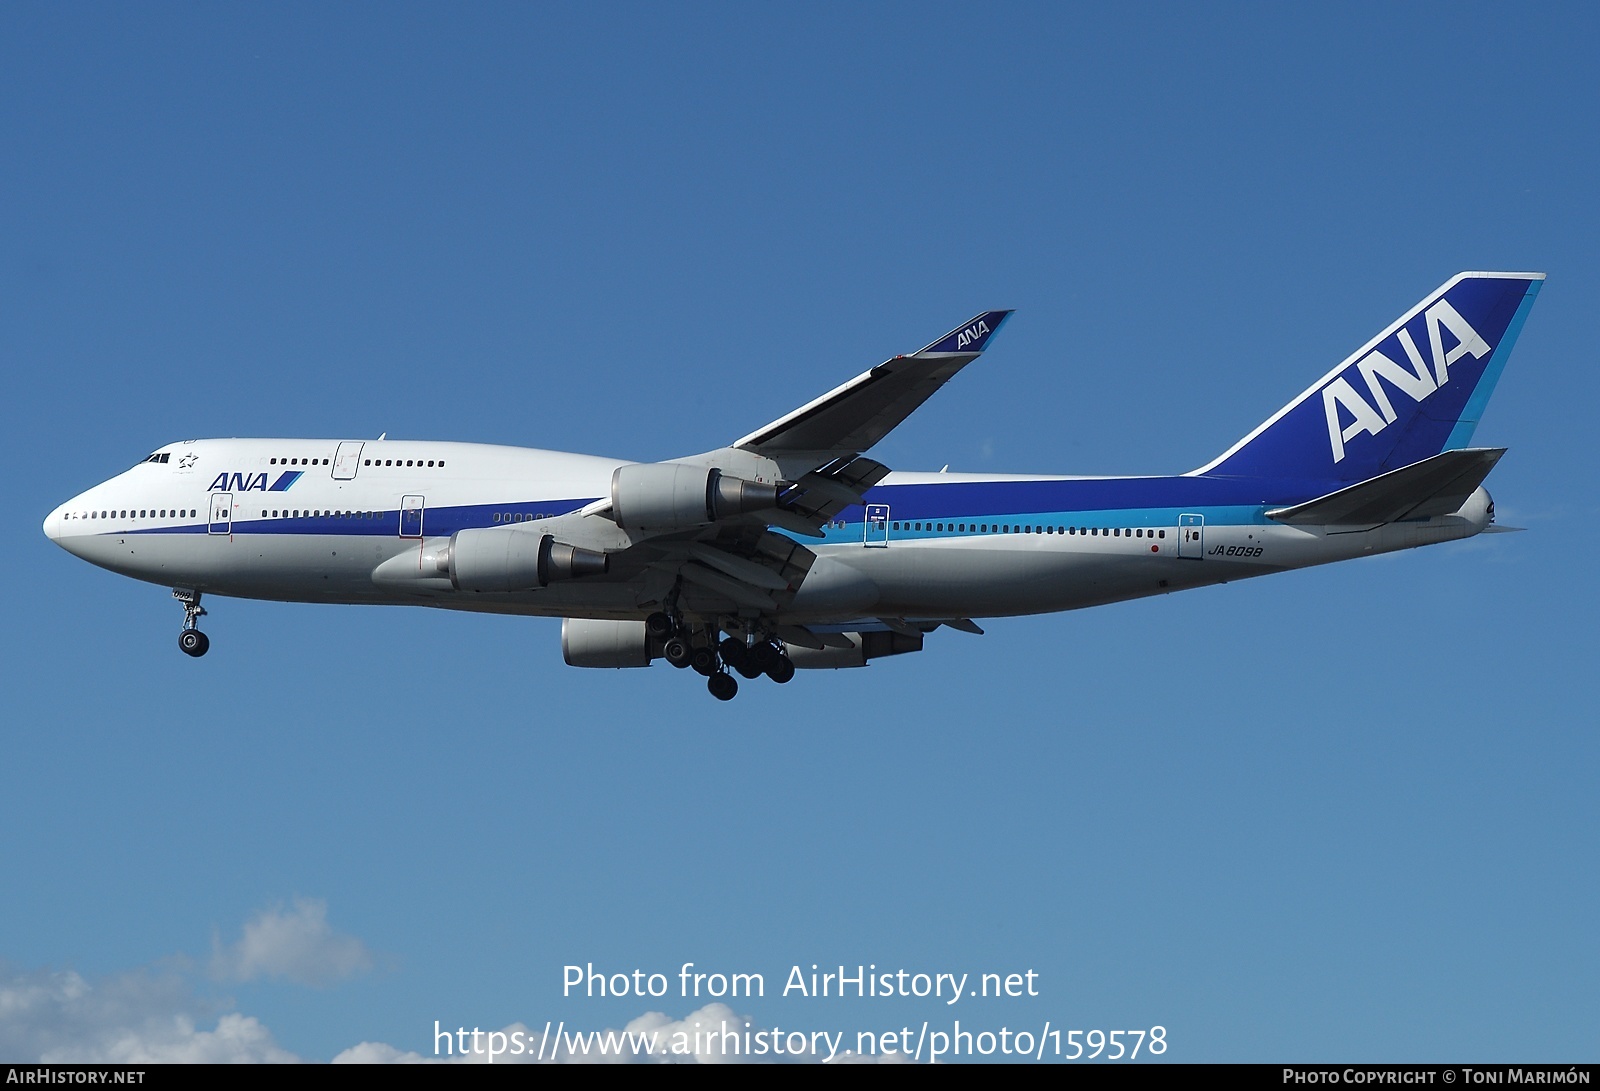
(851,418)
(738,566)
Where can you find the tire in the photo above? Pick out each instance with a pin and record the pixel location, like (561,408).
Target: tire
(677,652)
(704,660)
(193,642)
(737,657)
(722,686)
(732,651)
(781,671)
(659,625)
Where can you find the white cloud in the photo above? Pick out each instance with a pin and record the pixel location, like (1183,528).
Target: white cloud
(295,944)
(135,1018)
(158,1016)
(155,1018)
(715,1034)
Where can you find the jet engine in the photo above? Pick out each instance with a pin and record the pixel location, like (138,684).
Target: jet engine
(590,642)
(667,496)
(514,560)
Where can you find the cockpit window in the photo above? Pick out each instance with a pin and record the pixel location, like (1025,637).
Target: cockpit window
(160,456)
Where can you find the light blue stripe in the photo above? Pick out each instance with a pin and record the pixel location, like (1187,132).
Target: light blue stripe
(1461,435)
(1130,518)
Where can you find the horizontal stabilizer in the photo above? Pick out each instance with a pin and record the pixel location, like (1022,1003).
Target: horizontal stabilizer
(1434,486)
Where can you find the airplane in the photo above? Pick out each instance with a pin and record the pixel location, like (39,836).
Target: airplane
(790,548)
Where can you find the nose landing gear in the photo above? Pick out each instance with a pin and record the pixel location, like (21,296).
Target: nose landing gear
(191,641)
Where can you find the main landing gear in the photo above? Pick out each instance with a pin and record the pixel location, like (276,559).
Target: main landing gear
(698,648)
(191,641)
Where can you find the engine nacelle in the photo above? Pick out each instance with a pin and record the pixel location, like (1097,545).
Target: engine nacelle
(864,647)
(484,559)
(587,642)
(668,496)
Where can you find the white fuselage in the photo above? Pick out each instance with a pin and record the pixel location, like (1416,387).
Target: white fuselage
(335,521)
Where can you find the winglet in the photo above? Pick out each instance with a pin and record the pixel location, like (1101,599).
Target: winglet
(850,418)
(971,336)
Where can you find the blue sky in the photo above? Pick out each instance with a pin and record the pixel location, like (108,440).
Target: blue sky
(1343,813)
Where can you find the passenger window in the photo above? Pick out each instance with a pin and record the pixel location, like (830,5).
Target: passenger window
(1163,534)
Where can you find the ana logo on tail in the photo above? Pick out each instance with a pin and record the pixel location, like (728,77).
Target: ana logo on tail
(1416,381)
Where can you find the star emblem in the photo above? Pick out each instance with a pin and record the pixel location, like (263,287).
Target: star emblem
(187,462)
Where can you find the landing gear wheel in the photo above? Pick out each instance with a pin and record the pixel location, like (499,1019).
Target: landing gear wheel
(781,671)
(704,660)
(678,652)
(764,656)
(660,625)
(737,657)
(193,642)
(722,686)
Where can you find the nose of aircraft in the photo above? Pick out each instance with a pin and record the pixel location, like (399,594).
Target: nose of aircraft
(52,525)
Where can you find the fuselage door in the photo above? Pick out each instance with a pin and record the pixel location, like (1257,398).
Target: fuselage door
(411,517)
(1192,536)
(221,518)
(875,529)
(347,460)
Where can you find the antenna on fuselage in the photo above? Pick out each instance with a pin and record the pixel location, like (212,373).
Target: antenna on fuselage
(385,435)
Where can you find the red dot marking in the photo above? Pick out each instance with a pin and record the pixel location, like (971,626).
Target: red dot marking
(1155,549)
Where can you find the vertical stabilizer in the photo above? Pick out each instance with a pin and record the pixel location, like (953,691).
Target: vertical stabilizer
(1416,389)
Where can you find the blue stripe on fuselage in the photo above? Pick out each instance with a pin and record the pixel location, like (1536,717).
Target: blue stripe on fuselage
(1086,502)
